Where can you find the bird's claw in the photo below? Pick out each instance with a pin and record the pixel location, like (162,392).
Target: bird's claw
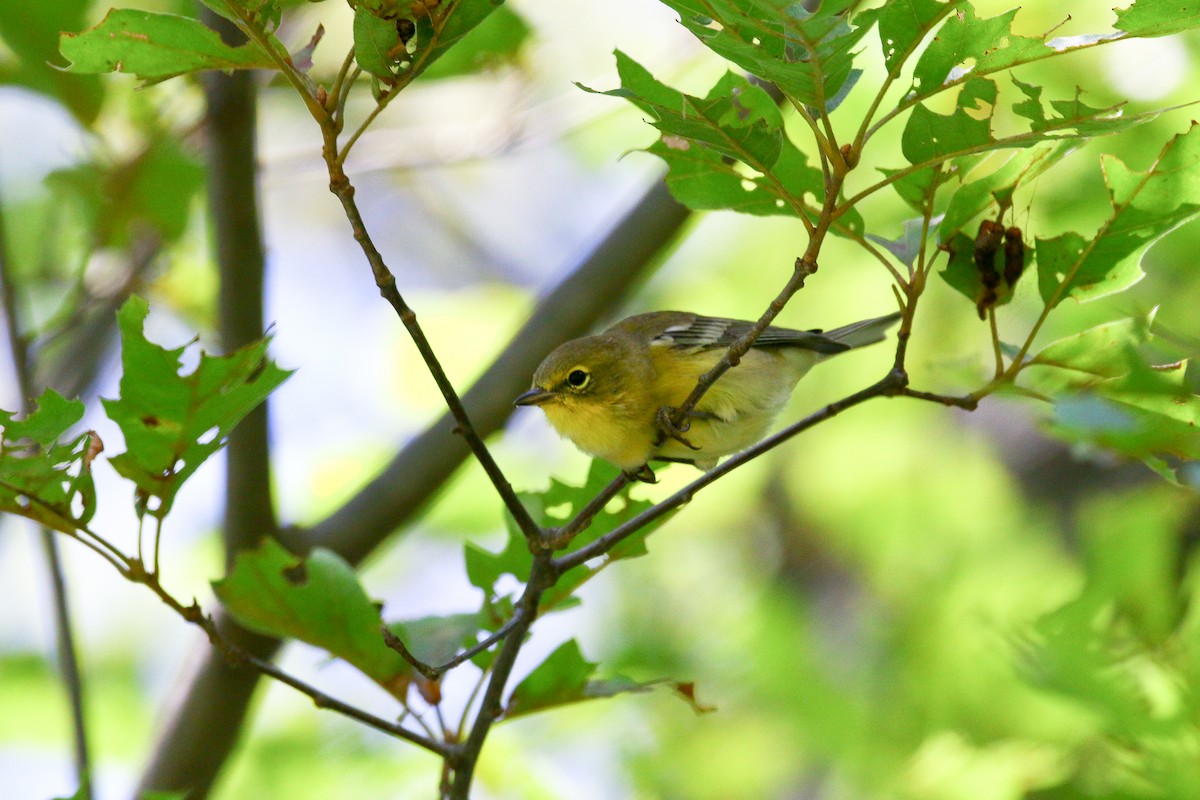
(673,431)
(642,473)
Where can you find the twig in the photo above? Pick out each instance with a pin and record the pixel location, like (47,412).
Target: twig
(434,673)
(236,654)
(340,185)
(542,576)
(558,538)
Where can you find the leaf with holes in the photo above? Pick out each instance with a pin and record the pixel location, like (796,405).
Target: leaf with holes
(1150,18)
(40,478)
(171,422)
(318,600)
(1144,207)
(155,47)
(725,150)
(809,55)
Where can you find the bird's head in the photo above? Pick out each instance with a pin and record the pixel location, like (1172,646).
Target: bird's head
(592,372)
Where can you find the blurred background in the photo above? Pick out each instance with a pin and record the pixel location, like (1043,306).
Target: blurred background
(882,608)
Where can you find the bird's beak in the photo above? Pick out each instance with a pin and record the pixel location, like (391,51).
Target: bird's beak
(534,397)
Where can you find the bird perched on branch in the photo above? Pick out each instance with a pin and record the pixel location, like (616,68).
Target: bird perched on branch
(616,394)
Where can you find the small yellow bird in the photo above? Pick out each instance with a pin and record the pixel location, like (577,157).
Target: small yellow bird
(605,392)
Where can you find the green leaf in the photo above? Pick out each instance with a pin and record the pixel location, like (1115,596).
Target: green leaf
(726,150)
(930,136)
(903,24)
(808,55)
(965,44)
(172,423)
(155,47)
(565,677)
(562,678)
(446,26)
(376,43)
(52,416)
(41,479)
(1143,430)
(498,39)
(554,507)
(1144,207)
(1097,353)
(1151,18)
(316,600)
(735,120)
(33,39)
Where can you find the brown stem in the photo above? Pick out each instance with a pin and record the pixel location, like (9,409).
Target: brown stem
(542,576)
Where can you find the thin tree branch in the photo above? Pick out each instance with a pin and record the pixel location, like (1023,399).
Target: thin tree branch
(434,673)
(541,577)
(203,730)
(341,187)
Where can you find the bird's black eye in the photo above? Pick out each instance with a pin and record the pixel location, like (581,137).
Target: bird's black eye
(578,378)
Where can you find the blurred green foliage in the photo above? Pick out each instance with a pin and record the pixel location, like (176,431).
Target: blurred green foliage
(905,603)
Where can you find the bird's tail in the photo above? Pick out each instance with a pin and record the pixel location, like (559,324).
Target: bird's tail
(862,333)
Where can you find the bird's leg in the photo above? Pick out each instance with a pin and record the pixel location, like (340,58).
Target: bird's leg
(642,473)
(676,432)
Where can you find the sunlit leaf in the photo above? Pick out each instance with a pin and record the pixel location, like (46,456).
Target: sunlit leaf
(155,47)
(496,40)
(903,24)
(318,600)
(171,422)
(807,54)
(1158,17)
(705,139)
(1099,352)
(1144,207)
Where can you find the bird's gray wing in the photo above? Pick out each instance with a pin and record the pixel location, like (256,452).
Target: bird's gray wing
(707,333)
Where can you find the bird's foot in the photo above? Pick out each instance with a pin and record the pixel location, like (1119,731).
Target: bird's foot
(642,473)
(667,425)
